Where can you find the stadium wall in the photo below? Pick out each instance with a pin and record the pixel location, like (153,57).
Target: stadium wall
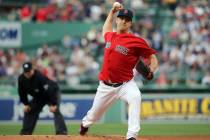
(159,108)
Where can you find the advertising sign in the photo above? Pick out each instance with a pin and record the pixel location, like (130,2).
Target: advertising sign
(154,108)
(184,107)
(72,109)
(10,34)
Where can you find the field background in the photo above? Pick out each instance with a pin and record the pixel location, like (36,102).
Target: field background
(116,129)
(177,29)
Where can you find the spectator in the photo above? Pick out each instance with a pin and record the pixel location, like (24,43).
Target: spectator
(3,71)
(25,14)
(206,78)
(41,15)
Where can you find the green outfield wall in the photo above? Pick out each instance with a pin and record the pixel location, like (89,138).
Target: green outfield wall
(28,35)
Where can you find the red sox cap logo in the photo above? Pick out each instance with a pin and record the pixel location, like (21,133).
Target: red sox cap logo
(126,11)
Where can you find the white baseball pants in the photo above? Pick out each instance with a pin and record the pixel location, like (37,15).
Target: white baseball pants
(106,95)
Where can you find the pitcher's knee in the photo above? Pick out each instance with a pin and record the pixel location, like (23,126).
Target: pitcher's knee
(136,98)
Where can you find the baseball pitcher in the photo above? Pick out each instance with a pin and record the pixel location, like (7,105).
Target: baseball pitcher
(122,55)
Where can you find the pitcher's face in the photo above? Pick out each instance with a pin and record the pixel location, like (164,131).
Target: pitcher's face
(123,24)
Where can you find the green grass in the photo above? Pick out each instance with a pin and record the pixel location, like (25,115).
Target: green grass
(116,129)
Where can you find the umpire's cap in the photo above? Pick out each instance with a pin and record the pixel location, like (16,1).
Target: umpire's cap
(125,13)
(27,66)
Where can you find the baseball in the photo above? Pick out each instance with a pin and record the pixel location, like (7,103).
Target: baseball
(116,4)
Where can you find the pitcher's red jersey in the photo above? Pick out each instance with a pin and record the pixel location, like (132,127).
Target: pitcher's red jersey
(121,54)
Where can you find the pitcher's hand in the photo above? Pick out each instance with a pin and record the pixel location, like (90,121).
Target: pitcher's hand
(116,7)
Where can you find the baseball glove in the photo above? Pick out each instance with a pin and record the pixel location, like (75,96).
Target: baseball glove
(144,70)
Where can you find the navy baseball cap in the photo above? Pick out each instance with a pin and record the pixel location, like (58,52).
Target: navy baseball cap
(125,13)
(27,66)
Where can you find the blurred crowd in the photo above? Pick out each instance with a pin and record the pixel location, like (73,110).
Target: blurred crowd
(184,52)
(187,58)
(74,10)
(52,63)
(61,10)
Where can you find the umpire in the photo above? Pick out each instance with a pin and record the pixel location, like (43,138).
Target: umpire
(43,91)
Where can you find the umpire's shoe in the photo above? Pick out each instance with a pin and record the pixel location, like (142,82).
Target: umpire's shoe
(132,138)
(83,130)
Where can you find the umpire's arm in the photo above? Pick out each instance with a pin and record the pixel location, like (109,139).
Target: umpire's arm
(22,93)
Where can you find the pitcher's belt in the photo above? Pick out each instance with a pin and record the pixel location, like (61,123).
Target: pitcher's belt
(112,84)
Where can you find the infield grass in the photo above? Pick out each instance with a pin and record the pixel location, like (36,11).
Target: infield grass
(116,129)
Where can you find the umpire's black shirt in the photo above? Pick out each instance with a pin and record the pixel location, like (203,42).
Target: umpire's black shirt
(39,87)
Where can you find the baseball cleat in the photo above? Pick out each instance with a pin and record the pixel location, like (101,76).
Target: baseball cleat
(132,138)
(83,130)
(61,133)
